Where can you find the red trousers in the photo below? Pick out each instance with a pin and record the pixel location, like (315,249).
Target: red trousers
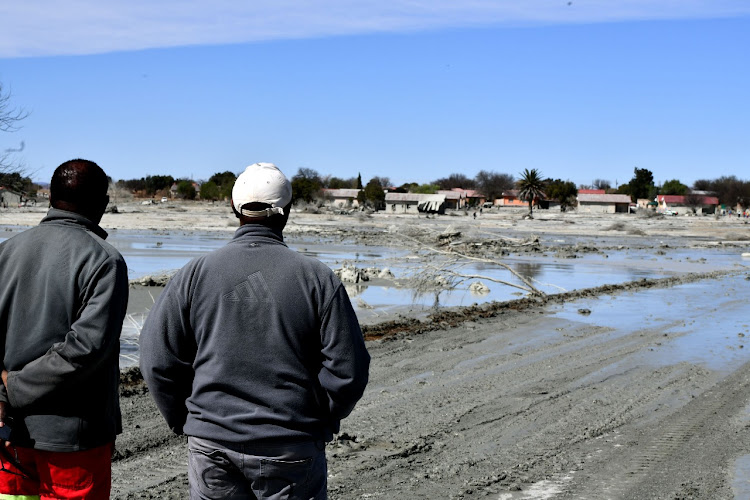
(53,474)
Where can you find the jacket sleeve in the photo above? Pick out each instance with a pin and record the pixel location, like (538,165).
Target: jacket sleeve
(167,352)
(346,362)
(92,339)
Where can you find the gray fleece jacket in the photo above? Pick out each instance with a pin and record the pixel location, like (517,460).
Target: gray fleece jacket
(63,297)
(254,343)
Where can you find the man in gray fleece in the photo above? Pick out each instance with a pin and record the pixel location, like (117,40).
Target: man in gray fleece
(63,296)
(254,352)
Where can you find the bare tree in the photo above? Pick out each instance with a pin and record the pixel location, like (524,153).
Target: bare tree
(492,184)
(455,181)
(602,184)
(693,200)
(10,118)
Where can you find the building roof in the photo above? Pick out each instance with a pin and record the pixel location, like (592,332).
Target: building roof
(674,199)
(469,193)
(603,198)
(591,191)
(413,197)
(453,195)
(341,193)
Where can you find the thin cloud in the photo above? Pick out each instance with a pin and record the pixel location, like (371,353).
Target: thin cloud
(32,28)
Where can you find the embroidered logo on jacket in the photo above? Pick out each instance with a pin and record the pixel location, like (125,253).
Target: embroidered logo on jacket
(253,289)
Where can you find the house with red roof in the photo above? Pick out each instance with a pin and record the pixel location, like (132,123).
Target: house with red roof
(454,199)
(688,204)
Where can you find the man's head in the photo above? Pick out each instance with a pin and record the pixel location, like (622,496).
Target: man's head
(80,186)
(262,195)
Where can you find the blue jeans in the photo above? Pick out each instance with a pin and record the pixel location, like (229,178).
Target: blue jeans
(219,469)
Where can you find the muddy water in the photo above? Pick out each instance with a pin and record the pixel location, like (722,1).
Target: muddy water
(153,252)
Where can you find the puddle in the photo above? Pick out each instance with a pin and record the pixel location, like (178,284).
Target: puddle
(704,322)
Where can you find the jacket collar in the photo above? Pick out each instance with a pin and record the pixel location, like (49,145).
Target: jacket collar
(57,215)
(258,230)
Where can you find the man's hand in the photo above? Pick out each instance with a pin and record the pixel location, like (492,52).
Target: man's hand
(3,410)
(5,378)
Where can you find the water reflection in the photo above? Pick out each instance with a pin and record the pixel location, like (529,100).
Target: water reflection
(529,270)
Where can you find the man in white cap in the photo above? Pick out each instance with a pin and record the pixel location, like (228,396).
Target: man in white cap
(254,352)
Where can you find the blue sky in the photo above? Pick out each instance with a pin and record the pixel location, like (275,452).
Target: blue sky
(411,90)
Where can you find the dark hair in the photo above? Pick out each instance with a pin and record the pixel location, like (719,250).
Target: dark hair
(81,183)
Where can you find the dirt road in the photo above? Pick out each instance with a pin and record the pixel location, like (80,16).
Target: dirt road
(543,402)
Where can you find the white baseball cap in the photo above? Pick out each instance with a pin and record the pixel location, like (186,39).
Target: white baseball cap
(261,183)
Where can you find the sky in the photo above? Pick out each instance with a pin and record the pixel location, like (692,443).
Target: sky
(412,90)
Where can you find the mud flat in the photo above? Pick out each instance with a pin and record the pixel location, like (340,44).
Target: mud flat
(639,389)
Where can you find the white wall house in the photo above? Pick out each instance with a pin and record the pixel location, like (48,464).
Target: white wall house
(603,203)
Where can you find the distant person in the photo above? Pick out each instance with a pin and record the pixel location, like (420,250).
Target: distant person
(63,296)
(254,352)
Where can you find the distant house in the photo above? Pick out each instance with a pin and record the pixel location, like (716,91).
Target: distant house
(685,204)
(603,203)
(510,199)
(473,197)
(454,199)
(10,198)
(592,191)
(645,203)
(342,198)
(414,203)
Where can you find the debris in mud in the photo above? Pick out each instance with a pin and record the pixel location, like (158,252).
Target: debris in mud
(131,382)
(584,311)
(154,279)
(479,288)
(349,273)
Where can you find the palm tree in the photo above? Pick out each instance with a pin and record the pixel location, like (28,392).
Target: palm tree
(531,187)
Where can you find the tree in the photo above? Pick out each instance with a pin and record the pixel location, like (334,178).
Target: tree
(563,191)
(693,200)
(642,184)
(359,181)
(306,185)
(155,183)
(373,194)
(456,181)
(338,183)
(186,189)
(17,182)
(384,182)
(673,187)
(10,119)
(531,187)
(225,182)
(729,189)
(602,184)
(210,191)
(426,189)
(702,185)
(492,184)
(406,187)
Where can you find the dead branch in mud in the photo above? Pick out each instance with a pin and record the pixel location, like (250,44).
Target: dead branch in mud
(445,269)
